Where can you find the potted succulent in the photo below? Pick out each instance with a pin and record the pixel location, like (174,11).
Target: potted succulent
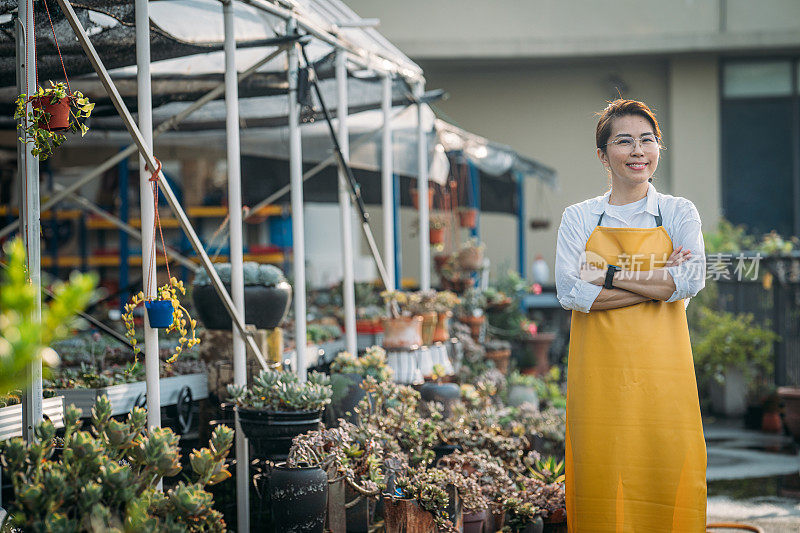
(499,352)
(110,476)
(521,389)
(420,503)
(347,373)
(728,351)
(278,407)
(175,318)
(53,110)
(521,516)
(470,255)
(472,311)
(400,331)
(445,302)
(423,303)
(536,348)
(437,225)
(415,197)
(267,296)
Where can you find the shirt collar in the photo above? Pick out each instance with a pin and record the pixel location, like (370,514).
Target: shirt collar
(651,206)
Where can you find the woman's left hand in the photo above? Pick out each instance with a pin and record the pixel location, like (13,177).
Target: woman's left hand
(592,274)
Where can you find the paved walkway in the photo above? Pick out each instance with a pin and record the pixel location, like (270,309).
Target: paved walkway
(752,478)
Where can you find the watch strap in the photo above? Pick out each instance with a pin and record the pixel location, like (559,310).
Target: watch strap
(609,281)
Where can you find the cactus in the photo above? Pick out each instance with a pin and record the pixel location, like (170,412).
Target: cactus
(106,479)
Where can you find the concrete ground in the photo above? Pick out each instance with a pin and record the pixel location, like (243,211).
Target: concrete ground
(752,478)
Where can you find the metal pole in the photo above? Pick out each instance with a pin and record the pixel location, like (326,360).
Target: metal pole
(186,225)
(298,229)
(387,189)
(131,149)
(348,275)
(236,256)
(28,166)
(149,271)
(422,191)
(521,223)
(475,188)
(124,252)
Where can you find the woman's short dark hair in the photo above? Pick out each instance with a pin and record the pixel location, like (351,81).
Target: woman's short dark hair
(621,108)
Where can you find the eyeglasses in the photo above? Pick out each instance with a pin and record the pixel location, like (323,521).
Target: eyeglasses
(647,142)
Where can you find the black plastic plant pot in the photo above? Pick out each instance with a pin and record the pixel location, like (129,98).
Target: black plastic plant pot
(299,497)
(159,313)
(264,307)
(271,432)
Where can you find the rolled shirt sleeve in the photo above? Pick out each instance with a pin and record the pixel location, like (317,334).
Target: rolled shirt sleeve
(573,292)
(690,276)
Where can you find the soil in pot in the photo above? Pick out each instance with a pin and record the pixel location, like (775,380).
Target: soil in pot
(271,432)
(265,307)
(299,498)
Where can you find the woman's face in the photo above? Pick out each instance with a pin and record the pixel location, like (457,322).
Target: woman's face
(634,163)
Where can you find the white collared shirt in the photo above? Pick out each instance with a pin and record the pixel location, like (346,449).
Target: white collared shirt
(679,218)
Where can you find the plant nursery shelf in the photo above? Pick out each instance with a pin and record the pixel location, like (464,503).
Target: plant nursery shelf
(96,261)
(11,417)
(123,397)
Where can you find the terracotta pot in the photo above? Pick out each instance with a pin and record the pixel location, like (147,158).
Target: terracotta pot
(468,218)
(402,332)
(429,321)
(475,323)
(790,397)
(771,422)
(536,359)
(442,331)
(470,258)
(415,198)
(436,235)
(369,326)
(473,522)
(500,359)
(405,516)
(59,113)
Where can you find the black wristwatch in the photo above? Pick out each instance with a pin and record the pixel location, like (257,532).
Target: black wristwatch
(609,283)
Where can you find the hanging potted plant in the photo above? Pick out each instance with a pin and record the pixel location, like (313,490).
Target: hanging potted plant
(278,407)
(415,197)
(437,225)
(164,312)
(267,296)
(470,256)
(467,217)
(54,110)
(472,306)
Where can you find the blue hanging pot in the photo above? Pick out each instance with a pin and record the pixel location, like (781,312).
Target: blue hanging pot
(159,312)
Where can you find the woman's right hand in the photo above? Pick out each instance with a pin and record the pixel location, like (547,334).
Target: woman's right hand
(678,256)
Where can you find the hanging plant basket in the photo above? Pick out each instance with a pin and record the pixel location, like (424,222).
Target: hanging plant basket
(539,223)
(415,198)
(159,313)
(468,217)
(178,319)
(52,116)
(436,235)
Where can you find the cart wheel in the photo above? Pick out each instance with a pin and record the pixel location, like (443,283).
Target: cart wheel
(185,409)
(141,401)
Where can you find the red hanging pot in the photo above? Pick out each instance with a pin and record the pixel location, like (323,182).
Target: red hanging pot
(436,235)
(56,116)
(468,218)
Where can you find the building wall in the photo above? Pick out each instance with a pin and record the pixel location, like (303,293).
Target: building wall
(551,28)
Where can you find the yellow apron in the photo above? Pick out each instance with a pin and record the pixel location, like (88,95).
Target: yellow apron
(635,451)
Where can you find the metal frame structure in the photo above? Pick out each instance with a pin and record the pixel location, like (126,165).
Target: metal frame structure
(143,135)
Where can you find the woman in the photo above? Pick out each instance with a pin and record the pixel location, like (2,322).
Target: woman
(627,264)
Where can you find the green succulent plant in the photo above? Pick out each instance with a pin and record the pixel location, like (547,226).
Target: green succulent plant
(545,470)
(254,274)
(106,479)
(372,363)
(282,391)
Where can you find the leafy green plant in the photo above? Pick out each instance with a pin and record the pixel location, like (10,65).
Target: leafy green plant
(22,340)
(282,391)
(32,122)
(772,243)
(545,470)
(728,238)
(106,479)
(731,340)
(318,333)
(518,514)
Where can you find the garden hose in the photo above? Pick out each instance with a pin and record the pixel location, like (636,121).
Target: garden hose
(729,525)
